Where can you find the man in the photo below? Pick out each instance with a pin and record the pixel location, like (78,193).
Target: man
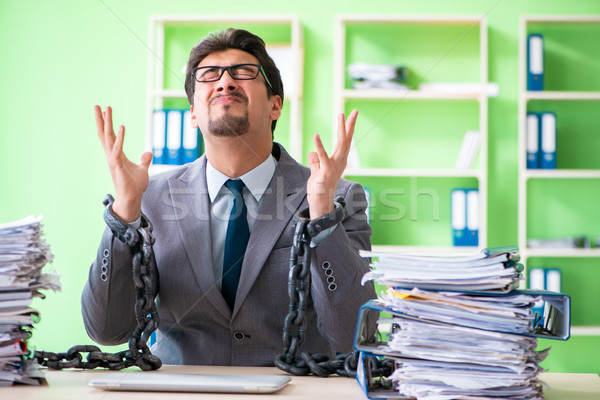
(236,96)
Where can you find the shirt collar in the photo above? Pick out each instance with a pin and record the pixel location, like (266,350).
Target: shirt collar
(256,180)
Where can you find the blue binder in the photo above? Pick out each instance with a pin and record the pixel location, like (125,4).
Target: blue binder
(190,139)
(159,134)
(535,62)
(465,217)
(174,135)
(533,140)
(459,217)
(548,140)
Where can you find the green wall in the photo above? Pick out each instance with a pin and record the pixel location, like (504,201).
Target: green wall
(60,57)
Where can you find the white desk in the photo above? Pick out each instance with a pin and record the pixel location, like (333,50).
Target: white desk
(73,385)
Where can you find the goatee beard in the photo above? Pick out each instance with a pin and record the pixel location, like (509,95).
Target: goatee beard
(229,125)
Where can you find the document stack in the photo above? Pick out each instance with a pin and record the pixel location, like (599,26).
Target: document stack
(456,327)
(23,254)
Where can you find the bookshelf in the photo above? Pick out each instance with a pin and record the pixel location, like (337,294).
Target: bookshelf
(405,157)
(562,202)
(171,37)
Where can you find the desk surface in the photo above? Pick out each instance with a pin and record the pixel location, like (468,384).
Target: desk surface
(73,385)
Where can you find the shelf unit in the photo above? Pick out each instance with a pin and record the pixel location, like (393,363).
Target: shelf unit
(171,37)
(563,91)
(436,43)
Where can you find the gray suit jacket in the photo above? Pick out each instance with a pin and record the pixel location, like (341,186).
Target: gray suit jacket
(196,325)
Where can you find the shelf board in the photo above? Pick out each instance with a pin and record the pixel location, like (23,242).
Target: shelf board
(537,252)
(425,173)
(560,95)
(427,250)
(567,19)
(561,174)
(395,94)
(412,19)
(222,18)
(585,331)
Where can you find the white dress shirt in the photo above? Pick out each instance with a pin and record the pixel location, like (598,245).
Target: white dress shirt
(256,182)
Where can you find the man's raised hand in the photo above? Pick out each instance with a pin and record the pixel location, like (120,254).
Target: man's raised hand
(130,179)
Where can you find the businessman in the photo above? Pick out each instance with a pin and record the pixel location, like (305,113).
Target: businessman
(214,310)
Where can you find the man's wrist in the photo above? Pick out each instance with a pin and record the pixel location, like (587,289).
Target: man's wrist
(128,212)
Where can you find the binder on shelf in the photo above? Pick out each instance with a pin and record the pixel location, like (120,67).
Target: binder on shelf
(535,62)
(548,140)
(465,217)
(472,217)
(159,133)
(533,140)
(459,217)
(174,134)
(553,277)
(190,140)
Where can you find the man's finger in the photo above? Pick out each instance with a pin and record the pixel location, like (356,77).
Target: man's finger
(118,145)
(313,163)
(323,157)
(146,159)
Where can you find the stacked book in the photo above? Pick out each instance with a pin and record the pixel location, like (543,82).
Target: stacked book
(23,254)
(457,327)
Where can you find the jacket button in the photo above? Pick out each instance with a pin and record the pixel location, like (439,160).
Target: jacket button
(106,253)
(238,335)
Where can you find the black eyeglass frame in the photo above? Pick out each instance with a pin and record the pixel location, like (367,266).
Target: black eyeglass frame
(228,69)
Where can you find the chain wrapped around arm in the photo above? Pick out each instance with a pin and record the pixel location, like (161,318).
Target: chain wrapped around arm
(294,329)
(145,278)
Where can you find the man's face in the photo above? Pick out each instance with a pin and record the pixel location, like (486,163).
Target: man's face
(230,107)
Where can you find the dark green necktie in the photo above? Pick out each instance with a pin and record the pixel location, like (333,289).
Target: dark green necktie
(235,242)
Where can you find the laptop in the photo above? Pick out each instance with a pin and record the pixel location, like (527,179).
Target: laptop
(203,383)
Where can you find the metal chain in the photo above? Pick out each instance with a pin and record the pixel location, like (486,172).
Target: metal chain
(294,328)
(145,278)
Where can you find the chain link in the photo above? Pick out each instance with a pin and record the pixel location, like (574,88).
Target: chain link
(145,278)
(294,328)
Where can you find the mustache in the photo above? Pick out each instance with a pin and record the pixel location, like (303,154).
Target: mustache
(232,94)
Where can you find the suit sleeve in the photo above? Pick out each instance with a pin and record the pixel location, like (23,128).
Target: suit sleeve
(337,270)
(108,298)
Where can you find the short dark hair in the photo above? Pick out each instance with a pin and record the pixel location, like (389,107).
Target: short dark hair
(234,39)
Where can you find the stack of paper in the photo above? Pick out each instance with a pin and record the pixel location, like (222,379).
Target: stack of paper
(456,331)
(379,76)
(493,269)
(23,254)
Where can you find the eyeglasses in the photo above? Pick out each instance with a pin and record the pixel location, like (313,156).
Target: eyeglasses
(240,72)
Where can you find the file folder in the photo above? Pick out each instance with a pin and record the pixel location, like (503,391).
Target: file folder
(548,140)
(465,217)
(459,217)
(556,323)
(533,141)
(159,133)
(190,139)
(535,62)
(174,134)
(472,218)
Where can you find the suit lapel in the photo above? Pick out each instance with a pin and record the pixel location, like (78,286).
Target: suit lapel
(189,192)
(284,194)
